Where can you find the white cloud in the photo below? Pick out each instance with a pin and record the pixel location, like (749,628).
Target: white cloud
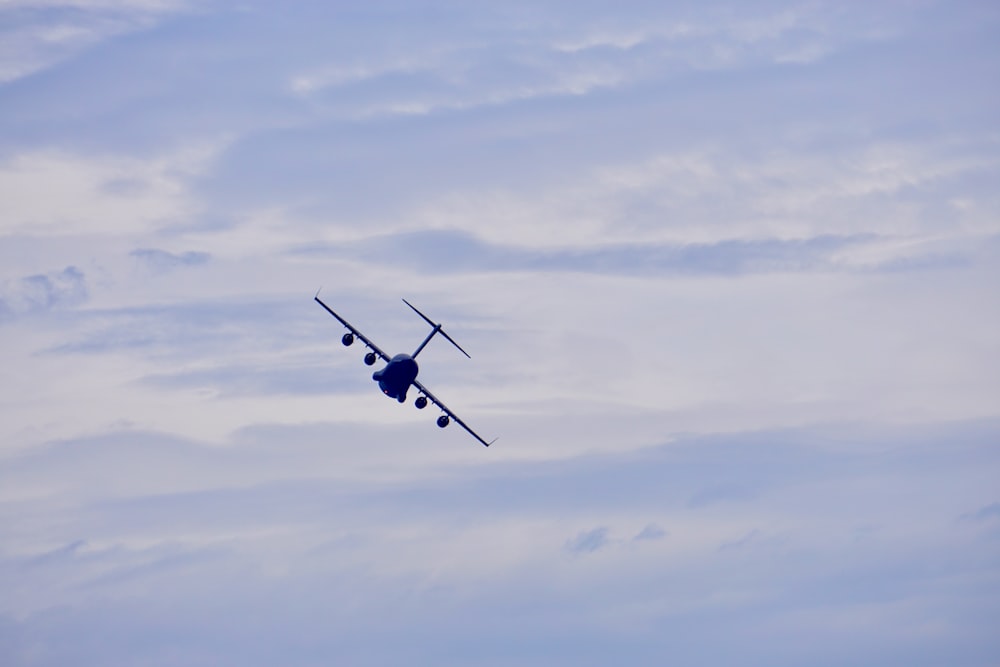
(452,542)
(48,193)
(790,423)
(35,43)
(497,69)
(675,197)
(339,75)
(42,292)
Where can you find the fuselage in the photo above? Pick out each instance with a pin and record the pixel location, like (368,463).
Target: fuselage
(397,376)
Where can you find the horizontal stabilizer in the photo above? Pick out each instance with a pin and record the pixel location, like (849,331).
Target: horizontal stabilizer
(437,329)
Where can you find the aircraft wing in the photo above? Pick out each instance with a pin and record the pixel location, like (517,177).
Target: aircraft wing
(360,336)
(433,399)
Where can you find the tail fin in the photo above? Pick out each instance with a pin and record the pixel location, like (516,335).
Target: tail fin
(437,329)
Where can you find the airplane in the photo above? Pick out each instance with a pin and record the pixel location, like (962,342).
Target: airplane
(400,371)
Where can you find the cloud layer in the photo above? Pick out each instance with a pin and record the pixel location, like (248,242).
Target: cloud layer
(726,272)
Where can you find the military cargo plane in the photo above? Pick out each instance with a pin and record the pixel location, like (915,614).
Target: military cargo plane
(400,371)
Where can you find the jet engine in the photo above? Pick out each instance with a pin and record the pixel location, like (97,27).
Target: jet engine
(370,358)
(348,339)
(421,402)
(443,421)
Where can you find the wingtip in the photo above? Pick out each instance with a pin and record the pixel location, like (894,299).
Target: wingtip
(317,292)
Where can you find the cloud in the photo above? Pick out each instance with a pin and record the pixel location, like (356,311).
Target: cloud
(192,329)
(40,35)
(651,532)
(732,492)
(753,537)
(43,292)
(55,193)
(208,536)
(58,554)
(247,379)
(453,251)
(723,268)
(986,513)
(588,541)
(161,260)
(589,53)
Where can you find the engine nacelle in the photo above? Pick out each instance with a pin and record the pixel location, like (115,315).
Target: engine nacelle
(370,358)
(443,421)
(421,402)
(347,340)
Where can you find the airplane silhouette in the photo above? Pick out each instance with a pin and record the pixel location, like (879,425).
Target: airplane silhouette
(400,371)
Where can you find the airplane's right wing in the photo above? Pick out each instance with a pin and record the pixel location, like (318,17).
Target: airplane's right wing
(434,399)
(364,339)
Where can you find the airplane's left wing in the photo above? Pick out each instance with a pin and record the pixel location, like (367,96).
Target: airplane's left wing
(360,336)
(433,399)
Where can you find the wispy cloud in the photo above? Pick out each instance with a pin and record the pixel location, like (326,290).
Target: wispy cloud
(986,513)
(174,328)
(50,193)
(58,554)
(247,379)
(652,531)
(753,537)
(43,292)
(726,272)
(588,541)
(732,492)
(443,251)
(193,515)
(161,260)
(39,35)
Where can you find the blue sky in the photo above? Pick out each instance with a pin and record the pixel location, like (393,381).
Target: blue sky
(727,273)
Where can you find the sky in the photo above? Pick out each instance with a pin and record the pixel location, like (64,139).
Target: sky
(727,272)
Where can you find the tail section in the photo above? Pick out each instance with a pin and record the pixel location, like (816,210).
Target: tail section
(437,329)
